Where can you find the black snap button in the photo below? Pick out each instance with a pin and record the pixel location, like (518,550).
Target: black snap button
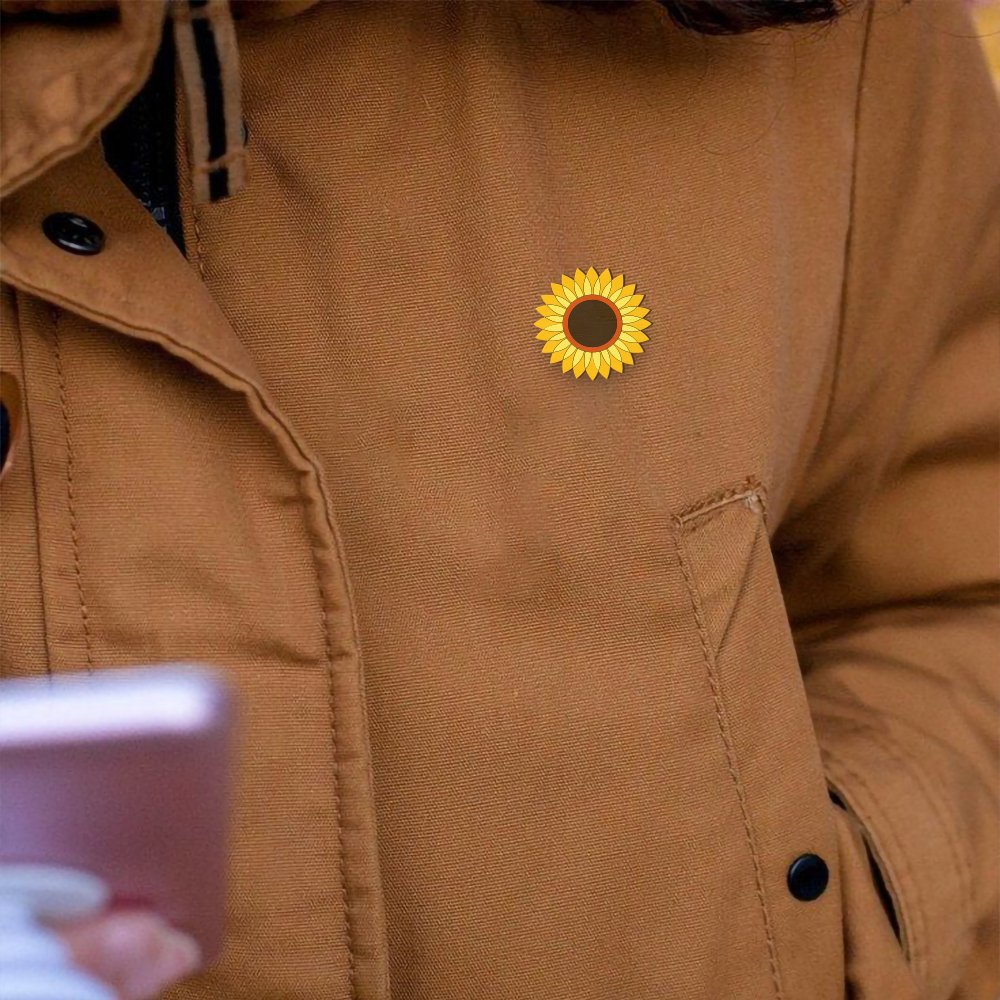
(74,233)
(808,877)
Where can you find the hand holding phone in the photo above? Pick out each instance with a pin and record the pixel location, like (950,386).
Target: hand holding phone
(121,777)
(135,952)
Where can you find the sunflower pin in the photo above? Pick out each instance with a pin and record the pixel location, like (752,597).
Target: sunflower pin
(592,323)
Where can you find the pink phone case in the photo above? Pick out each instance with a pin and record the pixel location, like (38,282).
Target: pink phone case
(123,774)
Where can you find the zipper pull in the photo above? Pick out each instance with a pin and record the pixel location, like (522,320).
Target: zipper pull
(210,72)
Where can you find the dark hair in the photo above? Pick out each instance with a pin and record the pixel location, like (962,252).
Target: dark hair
(732,17)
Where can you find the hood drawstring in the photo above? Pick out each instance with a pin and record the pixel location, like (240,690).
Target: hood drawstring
(210,72)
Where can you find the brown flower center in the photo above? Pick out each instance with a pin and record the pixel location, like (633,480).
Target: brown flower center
(592,322)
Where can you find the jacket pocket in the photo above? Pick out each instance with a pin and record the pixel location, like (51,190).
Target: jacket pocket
(875,966)
(767,734)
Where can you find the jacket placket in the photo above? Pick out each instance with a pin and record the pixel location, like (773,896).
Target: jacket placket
(146,291)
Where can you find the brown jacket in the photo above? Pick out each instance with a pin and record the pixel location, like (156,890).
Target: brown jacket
(545,668)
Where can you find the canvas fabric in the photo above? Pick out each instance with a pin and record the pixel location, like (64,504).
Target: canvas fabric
(544,680)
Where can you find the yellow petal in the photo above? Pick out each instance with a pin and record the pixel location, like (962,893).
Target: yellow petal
(555,342)
(615,360)
(560,352)
(625,356)
(580,279)
(567,361)
(591,280)
(605,368)
(580,364)
(631,312)
(593,366)
(548,311)
(635,336)
(635,324)
(557,290)
(603,280)
(547,323)
(633,300)
(623,295)
(569,288)
(616,284)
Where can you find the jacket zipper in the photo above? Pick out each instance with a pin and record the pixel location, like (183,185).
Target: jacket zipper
(140,145)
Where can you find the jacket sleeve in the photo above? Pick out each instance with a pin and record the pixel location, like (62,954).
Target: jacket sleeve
(888,551)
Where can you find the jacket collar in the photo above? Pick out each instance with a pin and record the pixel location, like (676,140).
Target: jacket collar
(139,285)
(65,75)
(68,67)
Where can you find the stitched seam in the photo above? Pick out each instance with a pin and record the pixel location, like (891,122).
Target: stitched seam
(325,624)
(233,156)
(30,441)
(183,350)
(70,495)
(748,487)
(730,754)
(331,706)
(199,253)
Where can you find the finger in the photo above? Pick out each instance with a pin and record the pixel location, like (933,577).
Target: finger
(136,953)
